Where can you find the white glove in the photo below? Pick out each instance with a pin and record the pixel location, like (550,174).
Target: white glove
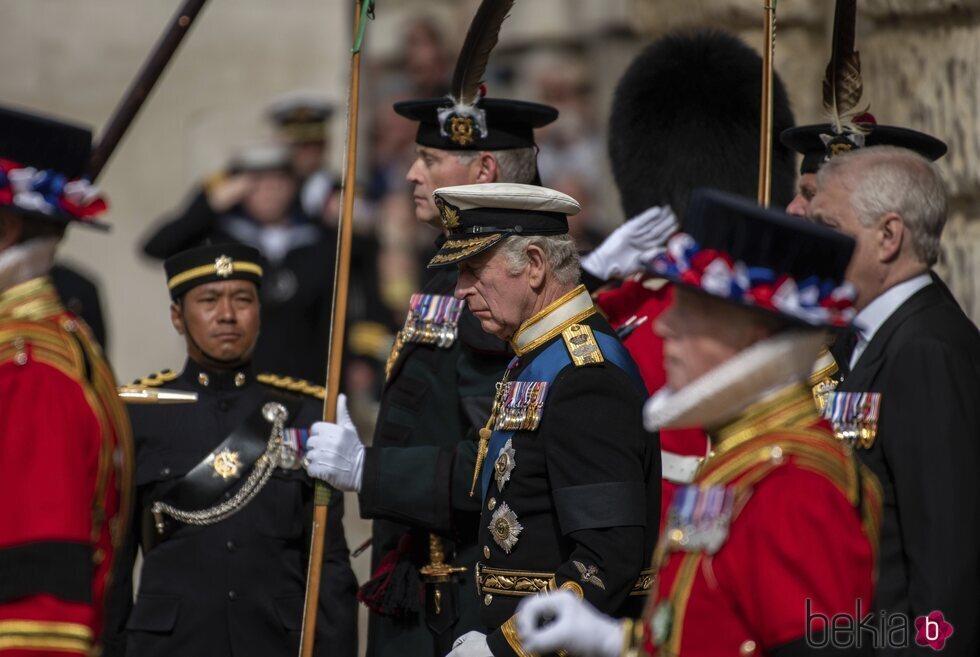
(334,452)
(471,644)
(631,245)
(574,626)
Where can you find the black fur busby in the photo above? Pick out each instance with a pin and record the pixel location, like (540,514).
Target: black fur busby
(686,114)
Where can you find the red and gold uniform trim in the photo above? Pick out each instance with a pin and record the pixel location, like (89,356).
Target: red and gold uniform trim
(37,335)
(45,635)
(782,429)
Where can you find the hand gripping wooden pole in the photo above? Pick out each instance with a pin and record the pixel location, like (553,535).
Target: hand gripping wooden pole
(141,86)
(765,127)
(321,497)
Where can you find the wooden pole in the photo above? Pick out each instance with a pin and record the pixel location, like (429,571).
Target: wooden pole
(321,496)
(141,86)
(765,133)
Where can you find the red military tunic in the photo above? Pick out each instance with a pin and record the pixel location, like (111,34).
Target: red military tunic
(803,531)
(646,299)
(65,476)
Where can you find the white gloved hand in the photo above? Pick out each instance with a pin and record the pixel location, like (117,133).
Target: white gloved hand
(334,452)
(574,626)
(631,245)
(471,644)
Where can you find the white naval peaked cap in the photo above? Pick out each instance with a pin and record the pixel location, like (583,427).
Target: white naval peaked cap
(508,196)
(477,217)
(261,156)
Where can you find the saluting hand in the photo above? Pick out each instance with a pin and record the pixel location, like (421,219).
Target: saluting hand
(629,247)
(548,623)
(334,452)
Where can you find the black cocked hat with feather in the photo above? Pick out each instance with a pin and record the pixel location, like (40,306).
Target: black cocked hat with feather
(465,120)
(850,128)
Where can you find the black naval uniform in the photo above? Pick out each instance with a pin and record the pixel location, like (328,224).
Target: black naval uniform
(925,362)
(417,471)
(579,507)
(234,588)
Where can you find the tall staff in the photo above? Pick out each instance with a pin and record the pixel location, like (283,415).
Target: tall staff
(363,10)
(141,86)
(765,133)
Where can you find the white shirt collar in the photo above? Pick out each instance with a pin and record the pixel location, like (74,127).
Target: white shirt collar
(876,313)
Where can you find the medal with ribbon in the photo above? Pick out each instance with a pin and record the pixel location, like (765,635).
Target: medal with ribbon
(522,406)
(432,319)
(699,518)
(854,416)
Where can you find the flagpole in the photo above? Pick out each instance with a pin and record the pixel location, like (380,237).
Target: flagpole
(322,493)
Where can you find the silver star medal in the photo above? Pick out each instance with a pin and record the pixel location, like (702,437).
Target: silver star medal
(504,527)
(505,463)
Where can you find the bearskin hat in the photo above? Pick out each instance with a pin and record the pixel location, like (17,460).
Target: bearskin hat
(686,114)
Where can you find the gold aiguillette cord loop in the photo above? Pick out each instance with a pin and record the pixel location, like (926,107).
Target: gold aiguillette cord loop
(487,431)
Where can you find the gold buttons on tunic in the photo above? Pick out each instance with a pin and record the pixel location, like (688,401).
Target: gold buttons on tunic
(203,379)
(239,380)
(486,551)
(488,599)
(491,504)
(747,649)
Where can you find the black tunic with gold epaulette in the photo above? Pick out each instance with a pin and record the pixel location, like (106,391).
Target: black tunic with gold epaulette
(571,500)
(235,587)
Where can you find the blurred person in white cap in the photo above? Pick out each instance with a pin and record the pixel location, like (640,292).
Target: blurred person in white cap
(252,203)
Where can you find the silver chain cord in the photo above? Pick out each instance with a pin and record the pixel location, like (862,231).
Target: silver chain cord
(276,414)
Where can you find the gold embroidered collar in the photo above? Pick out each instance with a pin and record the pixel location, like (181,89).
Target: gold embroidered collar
(568,309)
(790,408)
(33,299)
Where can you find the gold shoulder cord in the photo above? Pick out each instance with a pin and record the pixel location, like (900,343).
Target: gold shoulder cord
(487,430)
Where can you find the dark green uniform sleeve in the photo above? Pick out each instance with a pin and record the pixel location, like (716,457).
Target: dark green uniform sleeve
(425,482)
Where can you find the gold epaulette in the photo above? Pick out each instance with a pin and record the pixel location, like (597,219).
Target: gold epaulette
(582,345)
(156,379)
(292,385)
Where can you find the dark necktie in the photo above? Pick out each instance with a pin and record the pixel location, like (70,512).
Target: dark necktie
(843,349)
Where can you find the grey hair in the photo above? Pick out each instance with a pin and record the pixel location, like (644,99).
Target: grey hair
(514,165)
(559,250)
(890,179)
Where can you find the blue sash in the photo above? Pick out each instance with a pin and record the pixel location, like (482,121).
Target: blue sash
(545,367)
